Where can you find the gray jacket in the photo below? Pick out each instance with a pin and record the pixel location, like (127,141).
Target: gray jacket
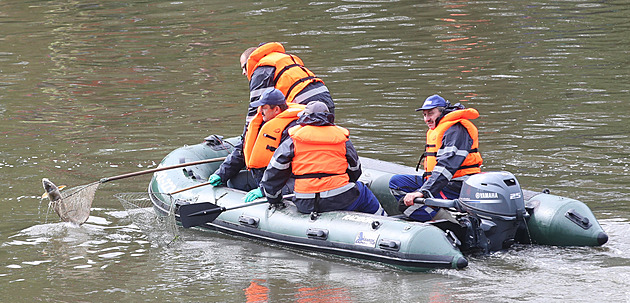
(280,171)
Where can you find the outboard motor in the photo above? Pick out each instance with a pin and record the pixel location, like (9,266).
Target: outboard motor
(496,199)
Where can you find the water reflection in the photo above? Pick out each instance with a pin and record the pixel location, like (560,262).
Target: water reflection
(322,294)
(256,293)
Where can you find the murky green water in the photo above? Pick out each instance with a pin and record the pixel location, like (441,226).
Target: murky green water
(97,89)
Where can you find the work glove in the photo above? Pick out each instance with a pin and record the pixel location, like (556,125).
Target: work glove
(215,180)
(253,195)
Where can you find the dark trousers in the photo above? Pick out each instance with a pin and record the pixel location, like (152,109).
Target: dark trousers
(400,185)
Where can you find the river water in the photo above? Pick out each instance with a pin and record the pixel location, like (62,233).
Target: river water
(96,89)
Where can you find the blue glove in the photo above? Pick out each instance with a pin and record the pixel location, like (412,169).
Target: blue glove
(253,195)
(215,180)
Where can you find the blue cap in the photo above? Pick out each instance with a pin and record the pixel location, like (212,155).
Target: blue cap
(433,102)
(271,96)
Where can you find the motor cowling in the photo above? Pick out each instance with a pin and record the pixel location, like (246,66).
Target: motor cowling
(497,200)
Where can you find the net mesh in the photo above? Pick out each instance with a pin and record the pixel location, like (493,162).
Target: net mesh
(161,229)
(75,203)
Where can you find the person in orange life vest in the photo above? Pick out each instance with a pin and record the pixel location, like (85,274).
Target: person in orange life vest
(325,165)
(451,155)
(268,65)
(263,135)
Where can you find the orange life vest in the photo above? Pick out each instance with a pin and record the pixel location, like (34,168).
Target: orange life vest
(261,140)
(290,77)
(319,161)
(473,161)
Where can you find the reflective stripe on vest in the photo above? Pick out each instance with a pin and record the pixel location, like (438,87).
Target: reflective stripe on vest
(319,150)
(261,141)
(290,77)
(473,160)
(327,193)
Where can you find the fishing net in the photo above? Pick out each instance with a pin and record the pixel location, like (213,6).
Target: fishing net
(75,203)
(161,229)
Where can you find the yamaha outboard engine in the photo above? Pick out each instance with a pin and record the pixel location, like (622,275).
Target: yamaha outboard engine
(496,199)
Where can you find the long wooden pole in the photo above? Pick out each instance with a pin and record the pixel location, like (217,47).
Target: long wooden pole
(153,170)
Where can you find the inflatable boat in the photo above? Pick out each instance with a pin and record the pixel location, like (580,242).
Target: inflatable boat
(492,213)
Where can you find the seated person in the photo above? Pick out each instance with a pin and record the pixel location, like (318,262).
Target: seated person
(325,165)
(263,135)
(451,155)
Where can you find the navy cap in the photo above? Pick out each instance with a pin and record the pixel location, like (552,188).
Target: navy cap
(433,102)
(271,96)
